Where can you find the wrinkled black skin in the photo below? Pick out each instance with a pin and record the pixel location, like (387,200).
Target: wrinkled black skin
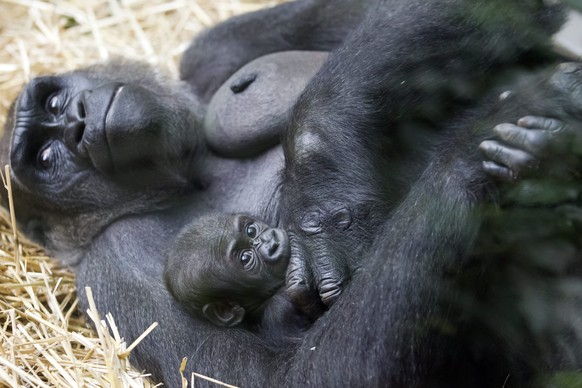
(116,234)
(205,275)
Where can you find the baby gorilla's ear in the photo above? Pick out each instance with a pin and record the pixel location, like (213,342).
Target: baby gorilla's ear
(225,314)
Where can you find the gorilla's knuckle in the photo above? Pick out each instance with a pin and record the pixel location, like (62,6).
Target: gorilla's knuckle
(330,290)
(496,152)
(537,142)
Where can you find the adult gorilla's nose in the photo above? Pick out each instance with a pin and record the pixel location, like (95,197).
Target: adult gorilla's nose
(85,132)
(75,125)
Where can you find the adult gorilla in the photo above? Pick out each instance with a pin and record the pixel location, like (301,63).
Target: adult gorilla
(108,163)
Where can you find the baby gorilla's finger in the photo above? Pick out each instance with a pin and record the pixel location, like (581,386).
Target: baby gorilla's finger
(533,141)
(498,171)
(516,160)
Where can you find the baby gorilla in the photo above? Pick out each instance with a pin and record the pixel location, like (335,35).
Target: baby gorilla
(232,270)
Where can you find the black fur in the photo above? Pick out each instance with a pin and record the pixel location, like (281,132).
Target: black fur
(376,333)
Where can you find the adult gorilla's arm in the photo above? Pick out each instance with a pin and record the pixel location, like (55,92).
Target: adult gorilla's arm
(215,55)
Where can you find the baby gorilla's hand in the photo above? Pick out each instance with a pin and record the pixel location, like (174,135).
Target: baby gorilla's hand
(520,147)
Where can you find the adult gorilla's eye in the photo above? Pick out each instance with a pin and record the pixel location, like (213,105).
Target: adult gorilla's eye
(52,104)
(251,230)
(246,257)
(45,157)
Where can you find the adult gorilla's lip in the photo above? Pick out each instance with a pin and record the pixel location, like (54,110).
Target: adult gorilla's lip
(106,123)
(99,103)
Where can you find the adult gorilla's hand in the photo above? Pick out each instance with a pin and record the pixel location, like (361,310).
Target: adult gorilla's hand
(299,281)
(327,262)
(520,148)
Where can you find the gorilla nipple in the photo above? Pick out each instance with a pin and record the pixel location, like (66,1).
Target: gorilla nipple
(243,82)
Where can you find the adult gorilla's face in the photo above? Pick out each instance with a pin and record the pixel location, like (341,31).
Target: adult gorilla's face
(112,138)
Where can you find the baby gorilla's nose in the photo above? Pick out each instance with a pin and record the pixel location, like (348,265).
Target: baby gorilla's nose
(270,244)
(273,245)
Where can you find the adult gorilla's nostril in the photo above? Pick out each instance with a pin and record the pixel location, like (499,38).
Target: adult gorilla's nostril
(240,84)
(80,121)
(75,124)
(81,108)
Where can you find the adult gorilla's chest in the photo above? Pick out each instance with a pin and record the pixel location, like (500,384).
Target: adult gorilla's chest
(242,186)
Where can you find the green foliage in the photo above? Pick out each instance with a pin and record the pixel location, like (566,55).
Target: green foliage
(564,380)
(576,4)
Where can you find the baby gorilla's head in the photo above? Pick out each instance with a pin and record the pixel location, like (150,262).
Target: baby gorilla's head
(225,267)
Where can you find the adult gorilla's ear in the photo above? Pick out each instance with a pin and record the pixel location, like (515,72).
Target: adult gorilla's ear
(225,314)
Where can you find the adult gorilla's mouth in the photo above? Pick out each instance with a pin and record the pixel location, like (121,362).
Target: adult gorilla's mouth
(116,93)
(93,138)
(132,128)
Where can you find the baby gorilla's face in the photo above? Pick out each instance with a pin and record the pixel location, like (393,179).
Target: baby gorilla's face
(255,247)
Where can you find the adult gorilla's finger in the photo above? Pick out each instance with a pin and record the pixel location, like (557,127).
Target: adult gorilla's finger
(329,279)
(548,124)
(533,141)
(302,295)
(560,135)
(516,160)
(498,171)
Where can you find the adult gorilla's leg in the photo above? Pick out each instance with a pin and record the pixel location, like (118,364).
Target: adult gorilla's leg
(216,54)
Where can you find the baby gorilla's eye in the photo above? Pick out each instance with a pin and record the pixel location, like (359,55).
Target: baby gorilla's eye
(251,230)
(52,104)
(45,157)
(246,257)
